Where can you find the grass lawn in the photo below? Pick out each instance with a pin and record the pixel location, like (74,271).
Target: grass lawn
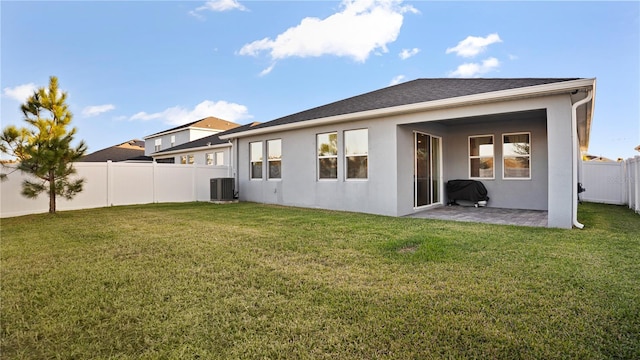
(253,281)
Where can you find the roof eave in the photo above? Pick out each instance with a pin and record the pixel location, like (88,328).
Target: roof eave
(215,131)
(584,146)
(501,95)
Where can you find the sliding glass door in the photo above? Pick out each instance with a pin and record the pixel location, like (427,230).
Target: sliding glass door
(426,175)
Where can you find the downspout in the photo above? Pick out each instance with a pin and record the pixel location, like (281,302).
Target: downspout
(576,151)
(230,167)
(234,163)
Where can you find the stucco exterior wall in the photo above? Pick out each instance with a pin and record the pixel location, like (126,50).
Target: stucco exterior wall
(299,185)
(560,162)
(389,188)
(504,193)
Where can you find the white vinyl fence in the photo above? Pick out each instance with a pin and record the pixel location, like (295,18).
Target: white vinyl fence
(109,184)
(612,182)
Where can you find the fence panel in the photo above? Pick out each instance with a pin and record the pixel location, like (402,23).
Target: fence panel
(605,182)
(108,184)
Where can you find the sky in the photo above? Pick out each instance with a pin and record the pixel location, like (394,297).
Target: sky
(134,68)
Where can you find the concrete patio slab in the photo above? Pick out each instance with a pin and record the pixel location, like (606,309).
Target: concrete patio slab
(488,215)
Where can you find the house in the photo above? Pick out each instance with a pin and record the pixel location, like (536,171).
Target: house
(185,133)
(392,151)
(132,150)
(588,157)
(209,150)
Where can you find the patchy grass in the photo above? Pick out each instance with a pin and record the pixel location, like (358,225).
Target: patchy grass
(256,281)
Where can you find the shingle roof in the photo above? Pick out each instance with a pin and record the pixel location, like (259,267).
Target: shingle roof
(208,140)
(411,92)
(129,150)
(207,123)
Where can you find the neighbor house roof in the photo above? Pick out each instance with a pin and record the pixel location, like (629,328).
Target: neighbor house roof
(211,140)
(208,123)
(411,95)
(129,150)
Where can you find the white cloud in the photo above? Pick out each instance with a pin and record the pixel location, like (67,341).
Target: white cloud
(21,92)
(97,109)
(360,28)
(218,6)
(475,69)
(397,80)
(267,70)
(407,53)
(472,45)
(178,115)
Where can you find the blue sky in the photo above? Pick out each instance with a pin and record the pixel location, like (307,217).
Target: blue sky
(133,68)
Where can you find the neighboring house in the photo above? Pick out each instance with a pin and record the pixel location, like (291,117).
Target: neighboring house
(209,150)
(132,150)
(185,133)
(391,151)
(588,157)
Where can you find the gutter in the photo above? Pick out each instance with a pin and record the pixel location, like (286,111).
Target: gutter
(575,152)
(167,132)
(501,95)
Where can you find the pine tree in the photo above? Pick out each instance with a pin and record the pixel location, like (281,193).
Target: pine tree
(44,149)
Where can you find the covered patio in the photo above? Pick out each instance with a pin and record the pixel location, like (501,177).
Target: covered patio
(488,215)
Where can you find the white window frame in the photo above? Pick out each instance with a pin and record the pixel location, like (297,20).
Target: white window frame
(528,156)
(251,162)
(209,159)
(269,159)
(219,158)
(470,157)
(157,145)
(318,157)
(346,155)
(173,140)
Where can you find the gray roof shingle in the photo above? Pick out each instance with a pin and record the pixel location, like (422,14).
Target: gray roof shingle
(206,123)
(129,150)
(411,92)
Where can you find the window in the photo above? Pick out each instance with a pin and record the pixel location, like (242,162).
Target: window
(173,140)
(274,158)
(356,148)
(158,145)
(187,159)
(327,155)
(516,156)
(165,161)
(216,158)
(219,158)
(255,155)
(481,157)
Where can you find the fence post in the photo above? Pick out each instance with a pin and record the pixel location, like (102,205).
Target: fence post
(109,183)
(194,182)
(153,180)
(636,183)
(630,183)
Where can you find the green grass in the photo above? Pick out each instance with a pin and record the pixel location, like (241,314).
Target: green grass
(247,281)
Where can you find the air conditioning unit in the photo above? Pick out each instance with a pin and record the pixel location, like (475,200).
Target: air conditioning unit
(222,189)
